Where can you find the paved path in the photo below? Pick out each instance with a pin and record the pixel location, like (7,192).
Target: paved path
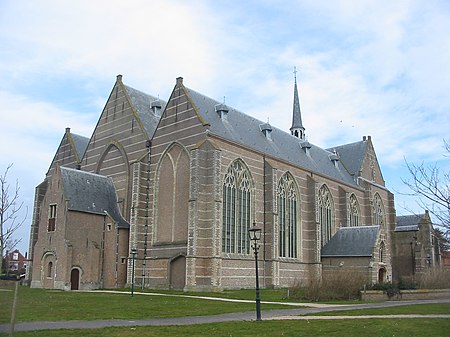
(293,313)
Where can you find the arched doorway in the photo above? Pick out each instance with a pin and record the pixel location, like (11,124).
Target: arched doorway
(178,272)
(75,279)
(381,275)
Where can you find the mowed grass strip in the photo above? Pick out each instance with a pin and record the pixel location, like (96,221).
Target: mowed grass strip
(417,309)
(271,295)
(54,305)
(323,328)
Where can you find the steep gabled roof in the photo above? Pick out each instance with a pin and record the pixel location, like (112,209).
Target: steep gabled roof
(80,144)
(244,129)
(352,155)
(352,241)
(407,223)
(143,103)
(91,193)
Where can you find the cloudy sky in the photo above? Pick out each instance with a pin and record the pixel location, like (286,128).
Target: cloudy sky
(378,68)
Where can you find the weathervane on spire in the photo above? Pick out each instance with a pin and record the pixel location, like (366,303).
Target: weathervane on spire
(295,73)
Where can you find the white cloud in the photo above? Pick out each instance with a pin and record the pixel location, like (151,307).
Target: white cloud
(33,131)
(157,40)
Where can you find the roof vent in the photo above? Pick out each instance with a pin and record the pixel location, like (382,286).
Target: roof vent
(266,128)
(156,107)
(222,110)
(334,157)
(305,146)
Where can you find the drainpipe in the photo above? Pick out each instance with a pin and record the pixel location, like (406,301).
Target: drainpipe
(147,205)
(102,253)
(264,220)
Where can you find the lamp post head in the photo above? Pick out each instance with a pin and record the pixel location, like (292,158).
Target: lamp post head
(254,233)
(133,251)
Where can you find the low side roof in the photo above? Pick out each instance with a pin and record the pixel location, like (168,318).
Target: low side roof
(91,193)
(80,143)
(244,129)
(406,223)
(142,102)
(352,241)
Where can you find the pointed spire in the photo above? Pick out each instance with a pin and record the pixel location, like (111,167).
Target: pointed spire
(297,128)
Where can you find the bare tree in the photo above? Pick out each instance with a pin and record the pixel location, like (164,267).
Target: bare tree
(432,186)
(10,207)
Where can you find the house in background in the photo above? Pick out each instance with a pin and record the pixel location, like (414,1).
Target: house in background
(181,183)
(446,259)
(15,262)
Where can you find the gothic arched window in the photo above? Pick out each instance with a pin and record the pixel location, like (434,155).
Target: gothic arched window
(381,252)
(325,204)
(378,211)
(353,211)
(287,216)
(50,269)
(236,206)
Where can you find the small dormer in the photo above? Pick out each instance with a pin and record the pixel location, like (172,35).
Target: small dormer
(266,129)
(222,111)
(156,107)
(305,146)
(334,157)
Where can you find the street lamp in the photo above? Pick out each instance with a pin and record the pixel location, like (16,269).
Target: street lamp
(255,235)
(133,254)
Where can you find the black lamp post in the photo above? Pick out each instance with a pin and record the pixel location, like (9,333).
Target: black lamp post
(133,254)
(255,235)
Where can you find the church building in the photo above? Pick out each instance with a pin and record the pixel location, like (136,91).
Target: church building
(180,183)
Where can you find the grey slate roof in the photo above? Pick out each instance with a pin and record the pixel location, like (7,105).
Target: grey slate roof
(407,223)
(352,155)
(352,241)
(91,193)
(80,143)
(244,129)
(142,102)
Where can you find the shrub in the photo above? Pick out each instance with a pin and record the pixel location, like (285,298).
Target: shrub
(406,282)
(434,278)
(337,285)
(389,288)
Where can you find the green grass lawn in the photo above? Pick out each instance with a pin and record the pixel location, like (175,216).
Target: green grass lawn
(44,305)
(272,295)
(39,304)
(419,309)
(345,328)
